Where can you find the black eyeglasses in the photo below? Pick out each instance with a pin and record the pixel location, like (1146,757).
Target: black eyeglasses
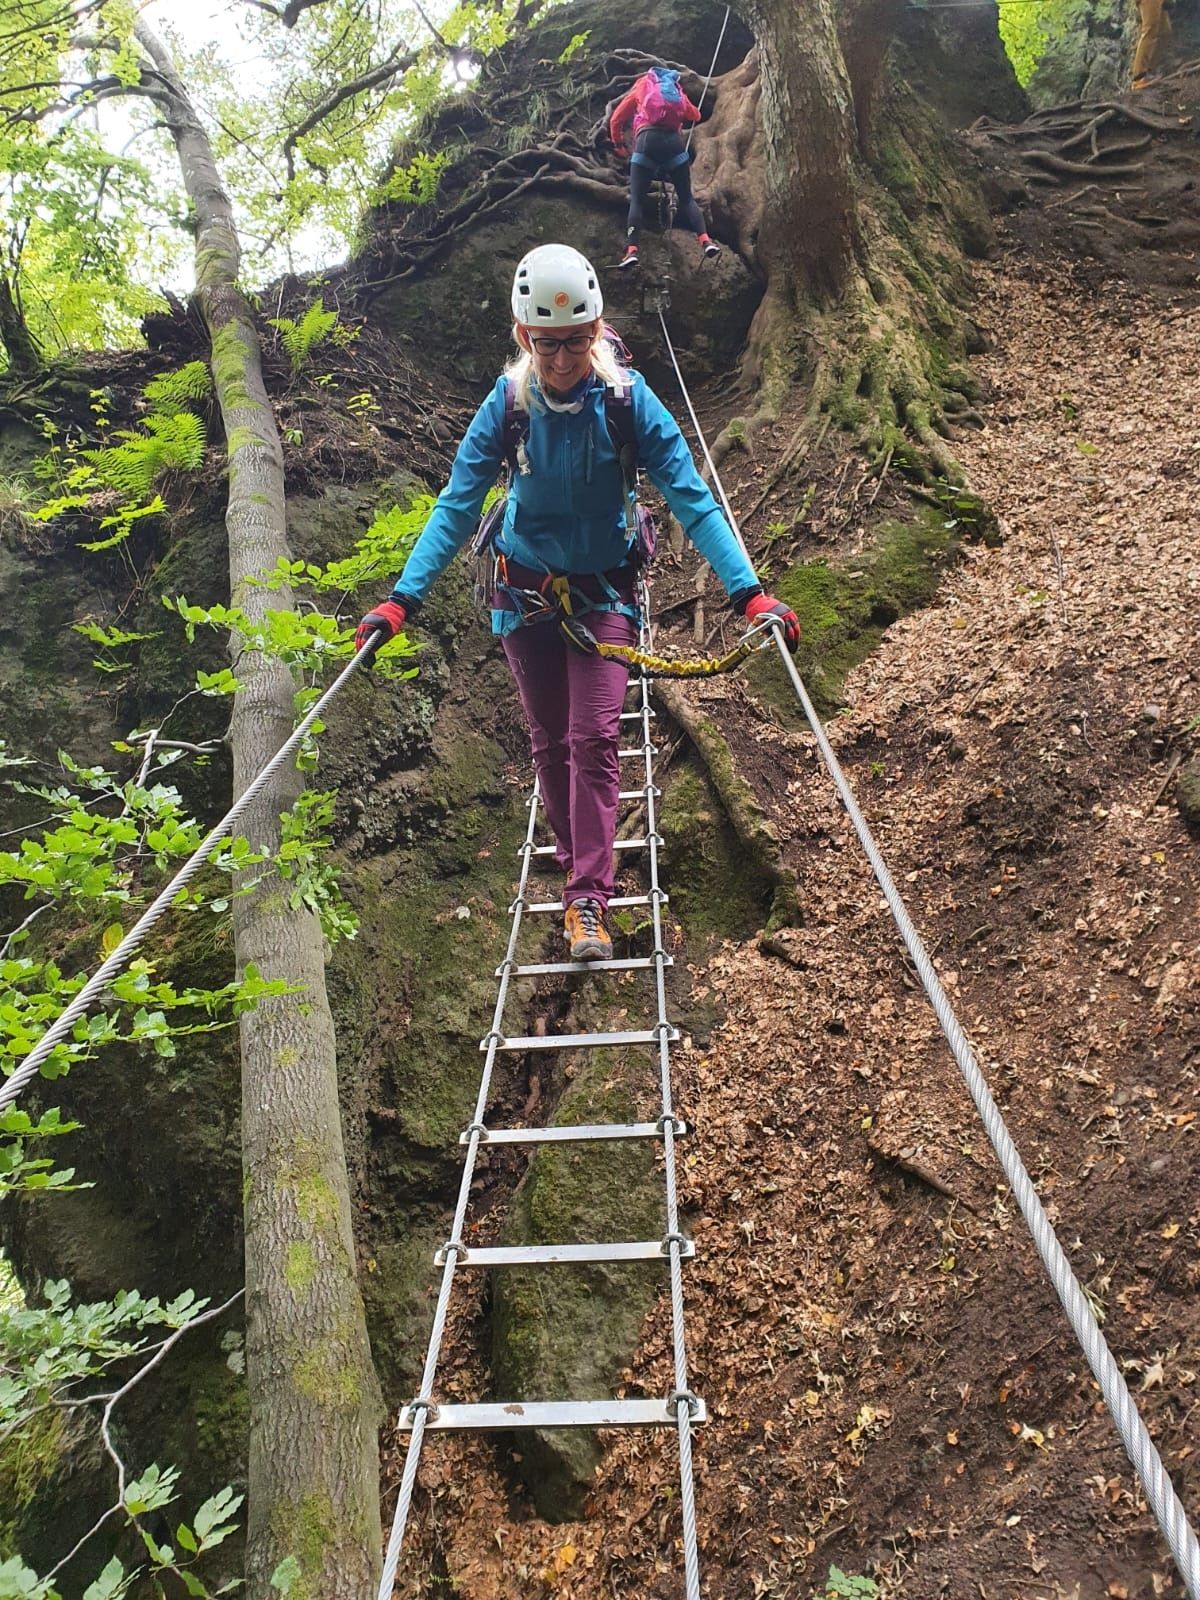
(576,343)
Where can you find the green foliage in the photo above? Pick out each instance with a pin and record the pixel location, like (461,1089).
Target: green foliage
(416,184)
(577,43)
(1028,31)
(300,338)
(88,481)
(171,441)
(106,847)
(838,1586)
(307,832)
(172,391)
(381,550)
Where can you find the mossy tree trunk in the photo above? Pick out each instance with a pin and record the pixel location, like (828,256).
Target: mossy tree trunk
(24,358)
(314,1409)
(850,307)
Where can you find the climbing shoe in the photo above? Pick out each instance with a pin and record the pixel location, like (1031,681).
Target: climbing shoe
(629,259)
(585,929)
(711,247)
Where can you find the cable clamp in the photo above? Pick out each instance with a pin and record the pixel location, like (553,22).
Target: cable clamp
(481,1128)
(683,1397)
(677,1125)
(493,1036)
(657,897)
(506,965)
(664,1030)
(455,1246)
(425,1404)
(674,1238)
(656,838)
(525,849)
(519,904)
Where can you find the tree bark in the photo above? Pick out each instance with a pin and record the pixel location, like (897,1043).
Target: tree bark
(314,1404)
(810,228)
(24,357)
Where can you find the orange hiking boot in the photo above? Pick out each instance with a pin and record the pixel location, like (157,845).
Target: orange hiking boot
(585,928)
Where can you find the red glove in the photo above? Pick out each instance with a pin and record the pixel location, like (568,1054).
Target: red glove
(386,619)
(766,605)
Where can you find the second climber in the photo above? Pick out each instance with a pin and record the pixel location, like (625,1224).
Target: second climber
(646,127)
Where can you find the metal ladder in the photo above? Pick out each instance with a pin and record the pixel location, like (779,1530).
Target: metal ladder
(680,1409)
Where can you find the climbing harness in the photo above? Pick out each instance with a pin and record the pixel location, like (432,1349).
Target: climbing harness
(680,1409)
(577,633)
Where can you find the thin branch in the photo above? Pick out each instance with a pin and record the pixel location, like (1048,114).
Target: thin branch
(383,73)
(20,929)
(114,1401)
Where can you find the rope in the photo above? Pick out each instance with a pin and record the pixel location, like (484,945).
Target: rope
(1156,1482)
(712,68)
(664,667)
(100,979)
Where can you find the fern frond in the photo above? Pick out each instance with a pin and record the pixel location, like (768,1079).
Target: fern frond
(175,441)
(300,338)
(172,391)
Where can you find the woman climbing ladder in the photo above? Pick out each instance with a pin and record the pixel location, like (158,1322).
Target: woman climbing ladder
(565,518)
(657,108)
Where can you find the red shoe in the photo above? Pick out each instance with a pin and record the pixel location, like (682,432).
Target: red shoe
(710,246)
(629,259)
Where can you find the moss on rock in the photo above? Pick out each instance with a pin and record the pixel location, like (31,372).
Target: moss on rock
(717,887)
(844,610)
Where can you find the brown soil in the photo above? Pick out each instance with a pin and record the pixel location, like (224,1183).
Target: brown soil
(892,1385)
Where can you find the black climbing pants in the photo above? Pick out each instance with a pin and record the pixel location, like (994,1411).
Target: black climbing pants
(656,154)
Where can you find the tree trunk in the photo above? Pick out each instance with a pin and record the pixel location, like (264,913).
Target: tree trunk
(810,137)
(24,358)
(314,1405)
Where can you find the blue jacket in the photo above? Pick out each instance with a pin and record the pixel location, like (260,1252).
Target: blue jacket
(567,515)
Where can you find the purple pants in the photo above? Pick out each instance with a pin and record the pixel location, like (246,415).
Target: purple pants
(572,705)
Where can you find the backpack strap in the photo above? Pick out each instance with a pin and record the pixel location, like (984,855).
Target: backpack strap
(516,432)
(622,430)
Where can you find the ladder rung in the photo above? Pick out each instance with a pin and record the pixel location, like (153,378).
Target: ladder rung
(639,794)
(557,1414)
(625,964)
(637,750)
(617,900)
(634,716)
(563,1255)
(575,1134)
(577,1041)
(618,844)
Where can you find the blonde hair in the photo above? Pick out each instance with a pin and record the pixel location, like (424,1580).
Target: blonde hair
(521,375)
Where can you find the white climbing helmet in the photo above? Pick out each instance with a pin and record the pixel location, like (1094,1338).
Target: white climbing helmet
(554,287)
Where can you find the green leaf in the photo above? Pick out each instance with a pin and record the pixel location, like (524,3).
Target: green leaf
(112,1582)
(111,938)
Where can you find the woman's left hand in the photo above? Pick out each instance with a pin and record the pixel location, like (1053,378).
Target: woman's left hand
(765,605)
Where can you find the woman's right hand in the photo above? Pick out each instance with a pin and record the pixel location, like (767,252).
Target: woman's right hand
(765,606)
(387,619)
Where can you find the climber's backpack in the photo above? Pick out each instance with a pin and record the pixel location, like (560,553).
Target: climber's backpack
(641,532)
(660,99)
